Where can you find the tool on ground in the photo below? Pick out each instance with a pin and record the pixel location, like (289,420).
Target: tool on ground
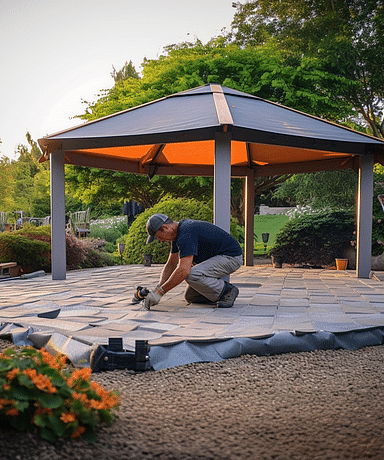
(140,294)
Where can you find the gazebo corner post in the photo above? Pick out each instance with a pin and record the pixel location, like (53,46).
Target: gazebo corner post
(364,217)
(222,181)
(58,244)
(249,217)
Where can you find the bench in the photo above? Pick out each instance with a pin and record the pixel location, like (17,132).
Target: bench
(9,268)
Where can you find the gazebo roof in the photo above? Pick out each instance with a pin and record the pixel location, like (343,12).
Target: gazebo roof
(176,135)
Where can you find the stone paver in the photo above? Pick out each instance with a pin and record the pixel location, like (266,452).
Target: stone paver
(93,305)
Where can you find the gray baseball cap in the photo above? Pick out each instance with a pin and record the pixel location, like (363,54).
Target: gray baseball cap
(154,223)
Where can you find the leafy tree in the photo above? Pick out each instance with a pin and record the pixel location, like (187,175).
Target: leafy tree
(346,36)
(324,189)
(27,186)
(41,198)
(6,184)
(127,71)
(264,71)
(101,188)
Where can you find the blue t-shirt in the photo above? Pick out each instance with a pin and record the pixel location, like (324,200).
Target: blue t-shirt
(203,240)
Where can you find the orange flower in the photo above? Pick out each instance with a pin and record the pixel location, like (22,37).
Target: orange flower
(43,410)
(80,397)
(42,382)
(6,387)
(78,432)
(57,362)
(68,417)
(78,374)
(96,404)
(12,412)
(12,374)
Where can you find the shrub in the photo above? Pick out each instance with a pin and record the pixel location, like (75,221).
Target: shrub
(38,393)
(86,253)
(31,254)
(176,209)
(378,221)
(315,239)
(30,247)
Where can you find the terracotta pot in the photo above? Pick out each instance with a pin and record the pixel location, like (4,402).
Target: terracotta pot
(341,264)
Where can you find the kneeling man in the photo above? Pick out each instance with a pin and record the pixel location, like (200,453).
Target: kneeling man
(202,254)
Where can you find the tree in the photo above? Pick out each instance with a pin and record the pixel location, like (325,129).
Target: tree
(6,184)
(126,72)
(263,71)
(27,186)
(345,36)
(101,188)
(324,189)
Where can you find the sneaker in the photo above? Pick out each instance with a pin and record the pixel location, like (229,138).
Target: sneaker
(228,299)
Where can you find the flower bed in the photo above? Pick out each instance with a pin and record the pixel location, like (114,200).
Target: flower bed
(37,392)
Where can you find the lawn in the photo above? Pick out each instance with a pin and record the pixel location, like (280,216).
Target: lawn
(267,224)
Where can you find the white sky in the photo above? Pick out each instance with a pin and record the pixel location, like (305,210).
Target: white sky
(55,53)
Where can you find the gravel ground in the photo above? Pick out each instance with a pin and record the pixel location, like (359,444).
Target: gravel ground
(317,405)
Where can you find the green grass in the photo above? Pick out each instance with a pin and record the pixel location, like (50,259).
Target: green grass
(267,224)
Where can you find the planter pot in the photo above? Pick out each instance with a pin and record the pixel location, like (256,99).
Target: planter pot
(147,260)
(277,261)
(341,264)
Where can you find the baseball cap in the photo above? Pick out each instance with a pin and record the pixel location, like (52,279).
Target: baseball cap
(154,223)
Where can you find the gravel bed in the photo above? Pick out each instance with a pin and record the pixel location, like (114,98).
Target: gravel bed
(316,405)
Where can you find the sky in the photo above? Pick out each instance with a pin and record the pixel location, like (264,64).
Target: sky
(54,54)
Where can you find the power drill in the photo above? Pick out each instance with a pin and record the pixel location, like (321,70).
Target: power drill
(141,293)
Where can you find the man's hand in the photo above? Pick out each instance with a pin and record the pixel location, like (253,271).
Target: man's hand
(153,297)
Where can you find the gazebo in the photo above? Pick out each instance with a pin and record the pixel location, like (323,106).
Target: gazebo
(214,131)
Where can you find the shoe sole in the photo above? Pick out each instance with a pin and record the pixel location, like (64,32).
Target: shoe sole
(232,301)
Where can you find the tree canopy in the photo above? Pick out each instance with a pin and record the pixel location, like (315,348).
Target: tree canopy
(346,36)
(265,71)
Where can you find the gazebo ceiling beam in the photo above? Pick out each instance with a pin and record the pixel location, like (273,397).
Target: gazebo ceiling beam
(307,167)
(268,138)
(118,164)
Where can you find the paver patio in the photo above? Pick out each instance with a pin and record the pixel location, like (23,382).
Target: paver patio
(277,310)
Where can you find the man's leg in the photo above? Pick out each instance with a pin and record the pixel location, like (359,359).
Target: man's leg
(206,277)
(192,296)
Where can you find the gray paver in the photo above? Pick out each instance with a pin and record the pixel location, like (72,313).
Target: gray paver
(95,304)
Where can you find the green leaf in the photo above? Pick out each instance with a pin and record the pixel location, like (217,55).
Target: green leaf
(23,393)
(40,420)
(48,434)
(57,425)
(90,436)
(50,401)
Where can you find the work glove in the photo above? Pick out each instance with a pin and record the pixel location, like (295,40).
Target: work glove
(153,298)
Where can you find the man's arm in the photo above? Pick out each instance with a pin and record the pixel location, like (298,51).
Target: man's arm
(174,272)
(178,274)
(169,267)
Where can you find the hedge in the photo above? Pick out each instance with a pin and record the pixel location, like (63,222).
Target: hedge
(316,239)
(176,209)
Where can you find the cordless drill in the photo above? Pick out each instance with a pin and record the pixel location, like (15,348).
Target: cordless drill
(140,294)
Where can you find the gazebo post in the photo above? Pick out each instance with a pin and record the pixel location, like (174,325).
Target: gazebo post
(222,181)
(364,217)
(58,216)
(249,206)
